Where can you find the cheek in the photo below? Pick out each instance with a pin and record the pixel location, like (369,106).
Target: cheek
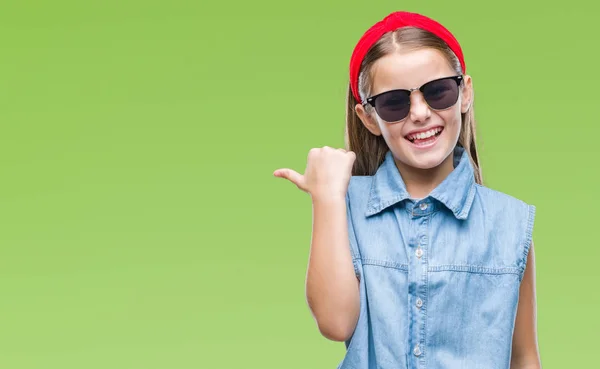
(390,132)
(452,119)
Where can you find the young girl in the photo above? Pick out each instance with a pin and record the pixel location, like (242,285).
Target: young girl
(413,262)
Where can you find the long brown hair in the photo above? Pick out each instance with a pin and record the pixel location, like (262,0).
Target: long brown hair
(370,150)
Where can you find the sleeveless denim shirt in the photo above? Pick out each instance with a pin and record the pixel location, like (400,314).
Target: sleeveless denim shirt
(439,276)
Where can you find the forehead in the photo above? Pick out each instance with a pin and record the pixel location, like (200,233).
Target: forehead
(409,69)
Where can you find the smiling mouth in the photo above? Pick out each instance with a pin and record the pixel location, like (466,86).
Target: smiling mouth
(425,138)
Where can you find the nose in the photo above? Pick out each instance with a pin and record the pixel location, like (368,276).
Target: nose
(419,110)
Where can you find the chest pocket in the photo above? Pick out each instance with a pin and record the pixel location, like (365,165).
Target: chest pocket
(494,241)
(382,241)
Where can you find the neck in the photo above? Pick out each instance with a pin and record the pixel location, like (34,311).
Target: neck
(420,182)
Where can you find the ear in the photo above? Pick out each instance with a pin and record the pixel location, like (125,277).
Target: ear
(368,121)
(467,94)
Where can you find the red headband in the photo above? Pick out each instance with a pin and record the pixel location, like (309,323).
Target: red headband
(391,23)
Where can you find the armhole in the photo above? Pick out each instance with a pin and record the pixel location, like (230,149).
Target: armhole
(352,240)
(526,245)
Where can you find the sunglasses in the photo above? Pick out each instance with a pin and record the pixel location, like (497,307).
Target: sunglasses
(394,105)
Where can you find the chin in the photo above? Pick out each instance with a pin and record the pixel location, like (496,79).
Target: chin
(428,163)
(424,160)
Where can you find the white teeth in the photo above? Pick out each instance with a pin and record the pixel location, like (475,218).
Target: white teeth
(423,135)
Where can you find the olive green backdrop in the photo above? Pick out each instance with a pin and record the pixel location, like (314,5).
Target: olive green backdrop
(141,227)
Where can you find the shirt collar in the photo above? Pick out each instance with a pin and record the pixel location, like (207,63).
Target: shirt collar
(456,191)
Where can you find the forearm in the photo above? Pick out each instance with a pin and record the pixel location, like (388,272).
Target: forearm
(332,288)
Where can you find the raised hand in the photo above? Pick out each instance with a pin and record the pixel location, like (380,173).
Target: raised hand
(327,173)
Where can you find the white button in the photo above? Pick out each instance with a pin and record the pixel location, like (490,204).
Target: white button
(417,350)
(419,252)
(419,302)
(423,206)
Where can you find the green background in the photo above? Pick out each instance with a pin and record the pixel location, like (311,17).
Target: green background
(141,226)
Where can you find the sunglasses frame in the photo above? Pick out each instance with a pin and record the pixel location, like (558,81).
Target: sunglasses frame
(371,100)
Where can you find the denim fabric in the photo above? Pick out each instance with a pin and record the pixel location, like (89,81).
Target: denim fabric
(439,276)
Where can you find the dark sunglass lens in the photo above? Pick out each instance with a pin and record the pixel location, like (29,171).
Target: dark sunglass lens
(393,106)
(441,94)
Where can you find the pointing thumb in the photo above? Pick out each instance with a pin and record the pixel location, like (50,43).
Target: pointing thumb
(292,176)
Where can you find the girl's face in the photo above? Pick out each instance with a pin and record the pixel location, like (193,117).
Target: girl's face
(408,70)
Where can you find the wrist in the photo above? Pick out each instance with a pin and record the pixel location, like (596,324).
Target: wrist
(331,198)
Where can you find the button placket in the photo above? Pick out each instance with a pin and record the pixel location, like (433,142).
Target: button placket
(421,214)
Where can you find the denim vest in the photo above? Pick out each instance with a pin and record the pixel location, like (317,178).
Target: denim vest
(439,276)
